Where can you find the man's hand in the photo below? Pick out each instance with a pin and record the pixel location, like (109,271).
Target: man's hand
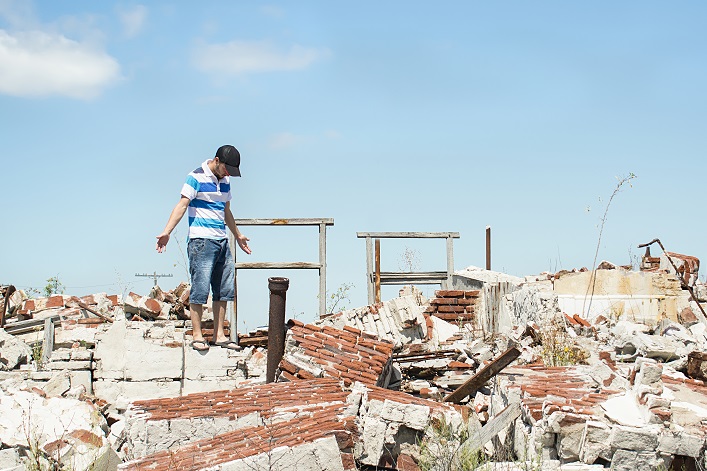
(243,243)
(162,240)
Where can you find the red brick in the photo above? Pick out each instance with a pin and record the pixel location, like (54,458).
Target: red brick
(451,309)
(581,321)
(406,463)
(472,293)
(353,330)
(444,301)
(449,293)
(55,301)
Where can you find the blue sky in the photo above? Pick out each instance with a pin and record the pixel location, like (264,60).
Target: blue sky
(386,116)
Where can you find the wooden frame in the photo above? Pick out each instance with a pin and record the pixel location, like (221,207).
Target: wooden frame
(375,278)
(322,223)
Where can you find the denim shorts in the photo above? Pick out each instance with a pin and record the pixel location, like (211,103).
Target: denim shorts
(210,265)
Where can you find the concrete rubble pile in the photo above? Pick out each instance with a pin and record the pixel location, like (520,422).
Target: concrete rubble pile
(573,370)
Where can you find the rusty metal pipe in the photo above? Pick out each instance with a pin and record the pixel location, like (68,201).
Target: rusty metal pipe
(276,325)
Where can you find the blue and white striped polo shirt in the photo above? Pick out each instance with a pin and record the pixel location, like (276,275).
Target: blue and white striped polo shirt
(208,197)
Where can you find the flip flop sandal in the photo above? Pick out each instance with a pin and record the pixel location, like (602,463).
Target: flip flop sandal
(205,347)
(229,344)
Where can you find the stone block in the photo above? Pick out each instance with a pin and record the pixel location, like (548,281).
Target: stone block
(120,393)
(9,459)
(13,352)
(628,460)
(649,371)
(634,438)
(681,443)
(69,365)
(139,352)
(686,413)
(58,384)
(213,384)
(217,363)
(81,378)
(595,442)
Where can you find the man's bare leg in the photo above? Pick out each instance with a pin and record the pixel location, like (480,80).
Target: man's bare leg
(196,311)
(220,337)
(219,308)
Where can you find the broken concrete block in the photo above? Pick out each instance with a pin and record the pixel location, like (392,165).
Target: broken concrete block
(13,352)
(10,460)
(65,429)
(633,438)
(58,385)
(626,410)
(686,414)
(648,372)
(629,460)
(142,306)
(139,351)
(681,443)
(121,393)
(595,442)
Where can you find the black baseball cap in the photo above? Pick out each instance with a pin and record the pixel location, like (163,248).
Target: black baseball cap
(230,157)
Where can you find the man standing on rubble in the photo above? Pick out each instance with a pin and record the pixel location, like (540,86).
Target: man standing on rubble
(207,196)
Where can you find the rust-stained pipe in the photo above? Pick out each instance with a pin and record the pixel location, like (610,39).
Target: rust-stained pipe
(488,247)
(276,325)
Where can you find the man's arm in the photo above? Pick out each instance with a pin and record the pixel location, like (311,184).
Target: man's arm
(174,218)
(231,223)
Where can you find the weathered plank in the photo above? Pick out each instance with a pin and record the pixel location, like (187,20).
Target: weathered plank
(278,265)
(492,428)
(30,325)
(408,235)
(483,375)
(48,346)
(285,222)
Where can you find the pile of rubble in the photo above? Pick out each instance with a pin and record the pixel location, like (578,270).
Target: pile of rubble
(528,373)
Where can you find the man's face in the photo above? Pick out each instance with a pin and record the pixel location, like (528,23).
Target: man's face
(220,170)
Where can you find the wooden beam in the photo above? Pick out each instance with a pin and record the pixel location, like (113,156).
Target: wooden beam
(278,265)
(285,222)
(483,375)
(48,346)
(30,325)
(492,428)
(408,235)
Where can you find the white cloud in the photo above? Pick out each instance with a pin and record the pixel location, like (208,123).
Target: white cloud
(241,57)
(284,140)
(36,63)
(133,20)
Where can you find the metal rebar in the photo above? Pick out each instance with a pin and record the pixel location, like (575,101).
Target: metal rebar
(276,325)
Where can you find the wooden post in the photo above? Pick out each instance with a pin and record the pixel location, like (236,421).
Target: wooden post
(48,346)
(488,247)
(369,271)
(450,261)
(322,270)
(378,270)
